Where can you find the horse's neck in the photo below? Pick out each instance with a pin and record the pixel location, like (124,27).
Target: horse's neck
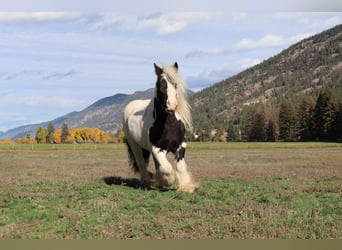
(167,130)
(161,115)
(158,113)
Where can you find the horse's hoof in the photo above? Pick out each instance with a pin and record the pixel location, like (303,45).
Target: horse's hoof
(145,185)
(188,189)
(165,179)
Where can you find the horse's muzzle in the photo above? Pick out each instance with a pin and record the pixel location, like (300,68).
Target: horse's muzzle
(171,106)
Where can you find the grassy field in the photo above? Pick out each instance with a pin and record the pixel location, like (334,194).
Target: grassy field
(248,190)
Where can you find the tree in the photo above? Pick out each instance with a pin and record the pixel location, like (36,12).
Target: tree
(287,121)
(57,136)
(253,122)
(325,111)
(270,131)
(233,132)
(337,124)
(28,135)
(81,135)
(121,136)
(306,121)
(257,129)
(272,126)
(41,135)
(65,133)
(246,120)
(50,133)
(223,137)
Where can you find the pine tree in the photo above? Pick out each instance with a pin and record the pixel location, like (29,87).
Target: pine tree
(272,126)
(287,121)
(50,133)
(246,120)
(337,124)
(65,133)
(257,129)
(325,112)
(270,131)
(306,120)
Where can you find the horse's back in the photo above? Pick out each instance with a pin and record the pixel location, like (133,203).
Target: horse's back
(135,124)
(135,107)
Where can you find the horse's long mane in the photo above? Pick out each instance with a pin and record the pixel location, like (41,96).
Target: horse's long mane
(183,108)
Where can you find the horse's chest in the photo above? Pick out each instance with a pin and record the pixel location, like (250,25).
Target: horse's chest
(167,133)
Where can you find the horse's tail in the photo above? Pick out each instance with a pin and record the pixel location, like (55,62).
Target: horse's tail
(131,158)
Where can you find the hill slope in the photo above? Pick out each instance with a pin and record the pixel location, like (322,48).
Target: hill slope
(105,114)
(305,67)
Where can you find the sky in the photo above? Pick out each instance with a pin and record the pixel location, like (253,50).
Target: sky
(61,56)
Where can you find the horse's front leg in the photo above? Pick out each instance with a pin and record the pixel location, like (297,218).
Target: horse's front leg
(185,180)
(165,175)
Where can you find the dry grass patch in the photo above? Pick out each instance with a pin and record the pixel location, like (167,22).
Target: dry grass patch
(248,190)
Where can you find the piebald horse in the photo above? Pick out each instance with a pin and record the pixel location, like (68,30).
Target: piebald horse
(157,127)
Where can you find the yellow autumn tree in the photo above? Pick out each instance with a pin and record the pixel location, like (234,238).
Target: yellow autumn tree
(121,138)
(57,136)
(83,135)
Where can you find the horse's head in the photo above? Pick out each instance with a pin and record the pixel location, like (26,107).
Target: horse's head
(166,86)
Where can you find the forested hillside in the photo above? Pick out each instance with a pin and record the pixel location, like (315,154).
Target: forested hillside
(295,95)
(308,69)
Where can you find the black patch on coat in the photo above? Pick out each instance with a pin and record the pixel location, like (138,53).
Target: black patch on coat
(167,132)
(161,94)
(180,154)
(146,155)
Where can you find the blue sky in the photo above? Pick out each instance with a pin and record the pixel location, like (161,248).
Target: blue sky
(58,57)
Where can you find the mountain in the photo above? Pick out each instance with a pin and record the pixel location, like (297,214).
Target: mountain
(105,114)
(303,68)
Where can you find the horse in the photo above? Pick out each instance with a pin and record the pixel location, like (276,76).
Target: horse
(157,126)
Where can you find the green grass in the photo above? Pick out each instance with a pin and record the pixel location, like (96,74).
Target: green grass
(248,190)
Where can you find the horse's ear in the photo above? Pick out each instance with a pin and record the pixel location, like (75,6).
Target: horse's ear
(158,69)
(175,65)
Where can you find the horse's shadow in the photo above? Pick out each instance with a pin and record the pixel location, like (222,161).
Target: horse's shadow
(129,182)
(119,181)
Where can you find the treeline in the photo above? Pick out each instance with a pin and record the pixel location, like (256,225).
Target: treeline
(50,135)
(300,118)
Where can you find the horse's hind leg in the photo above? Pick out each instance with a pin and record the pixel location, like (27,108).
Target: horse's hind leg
(139,158)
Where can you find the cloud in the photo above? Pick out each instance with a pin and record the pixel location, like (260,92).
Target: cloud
(60,75)
(50,102)
(208,77)
(23,73)
(6,92)
(209,52)
(245,63)
(58,101)
(310,20)
(106,22)
(170,23)
(215,75)
(323,23)
(268,41)
(288,15)
(332,21)
(238,16)
(14,17)
(37,74)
